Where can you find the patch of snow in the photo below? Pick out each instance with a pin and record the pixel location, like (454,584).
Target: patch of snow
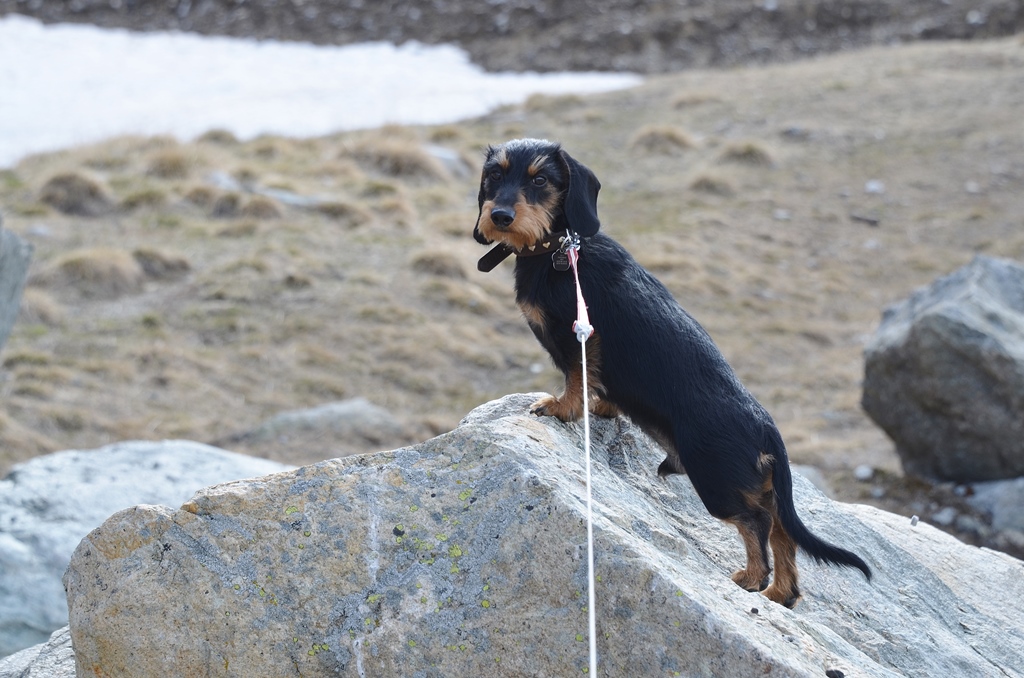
(64,84)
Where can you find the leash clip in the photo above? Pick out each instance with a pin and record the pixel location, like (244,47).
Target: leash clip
(560,259)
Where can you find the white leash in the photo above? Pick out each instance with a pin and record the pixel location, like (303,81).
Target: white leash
(584,330)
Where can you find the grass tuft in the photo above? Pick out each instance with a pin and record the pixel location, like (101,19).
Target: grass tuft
(75,194)
(664,139)
(146,197)
(748,153)
(712,184)
(169,163)
(260,207)
(399,159)
(439,263)
(220,137)
(346,214)
(161,265)
(98,273)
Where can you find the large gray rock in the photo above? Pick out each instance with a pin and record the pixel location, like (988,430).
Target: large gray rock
(335,429)
(49,503)
(944,374)
(465,556)
(53,659)
(1003,500)
(15,256)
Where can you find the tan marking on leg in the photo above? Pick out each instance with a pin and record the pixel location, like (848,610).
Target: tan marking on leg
(785,589)
(533,314)
(603,408)
(753,576)
(569,405)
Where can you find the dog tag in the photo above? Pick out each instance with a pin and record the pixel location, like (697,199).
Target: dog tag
(560,261)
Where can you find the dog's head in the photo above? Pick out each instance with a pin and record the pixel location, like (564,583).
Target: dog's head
(530,188)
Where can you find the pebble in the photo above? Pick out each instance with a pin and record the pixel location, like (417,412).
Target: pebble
(874,187)
(863,473)
(944,516)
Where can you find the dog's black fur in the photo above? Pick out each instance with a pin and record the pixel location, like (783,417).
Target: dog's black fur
(648,358)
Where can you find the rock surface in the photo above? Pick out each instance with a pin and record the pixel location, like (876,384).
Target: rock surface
(332,430)
(15,256)
(944,375)
(547,35)
(53,659)
(1003,500)
(49,503)
(465,555)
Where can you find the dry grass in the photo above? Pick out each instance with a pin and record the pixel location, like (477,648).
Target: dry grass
(161,265)
(347,214)
(38,307)
(97,273)
(76,194)
(662,139)
(750,153)
(397,158)
(714,185)
(220,137)
(439,263)
(169,163)
(259,207)
(370,288)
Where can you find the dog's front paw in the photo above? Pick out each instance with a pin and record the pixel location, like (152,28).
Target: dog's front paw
(540,408)
(550,406)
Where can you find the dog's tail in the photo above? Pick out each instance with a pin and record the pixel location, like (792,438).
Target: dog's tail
(820,550)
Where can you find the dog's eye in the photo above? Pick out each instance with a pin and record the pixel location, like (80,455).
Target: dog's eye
(495,175)
(540,180)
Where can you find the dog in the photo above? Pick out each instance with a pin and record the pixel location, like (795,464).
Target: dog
(648,358)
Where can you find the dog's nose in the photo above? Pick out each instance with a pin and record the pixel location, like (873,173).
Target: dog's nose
(503,217)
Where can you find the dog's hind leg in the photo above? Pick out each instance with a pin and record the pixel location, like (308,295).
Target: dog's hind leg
(754,528)
(784,589)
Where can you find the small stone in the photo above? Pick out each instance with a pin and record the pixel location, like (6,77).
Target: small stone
(944,516)
(863,473)
(913,521)
(874,187)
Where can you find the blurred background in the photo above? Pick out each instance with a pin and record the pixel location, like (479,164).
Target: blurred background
(250,219)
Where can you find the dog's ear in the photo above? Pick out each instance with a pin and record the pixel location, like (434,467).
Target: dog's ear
(480,201)
(580,205)
(476,229)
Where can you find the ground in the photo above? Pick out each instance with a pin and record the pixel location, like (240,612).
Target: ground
(554,35)
(784,205)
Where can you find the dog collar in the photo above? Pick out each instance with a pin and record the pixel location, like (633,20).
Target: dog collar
(548,245)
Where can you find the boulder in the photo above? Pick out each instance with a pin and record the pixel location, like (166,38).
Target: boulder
(49,503)
(1003,500)
(15,256)
(466,556)
(944,375)
(53,659)
(331,430)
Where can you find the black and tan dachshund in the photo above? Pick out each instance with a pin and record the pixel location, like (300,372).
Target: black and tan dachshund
(648,358)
